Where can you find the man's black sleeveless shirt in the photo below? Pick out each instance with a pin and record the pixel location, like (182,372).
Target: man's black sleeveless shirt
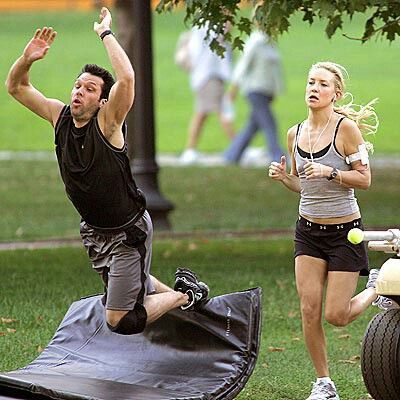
(96,174)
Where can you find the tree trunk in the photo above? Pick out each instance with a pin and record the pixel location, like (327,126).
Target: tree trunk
(135,35)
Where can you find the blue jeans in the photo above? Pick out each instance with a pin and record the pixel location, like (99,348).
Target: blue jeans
(261,118)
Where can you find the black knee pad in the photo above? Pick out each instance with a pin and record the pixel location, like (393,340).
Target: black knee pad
(131,323)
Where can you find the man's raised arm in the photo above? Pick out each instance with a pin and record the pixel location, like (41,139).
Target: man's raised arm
(18,84)
(123,91)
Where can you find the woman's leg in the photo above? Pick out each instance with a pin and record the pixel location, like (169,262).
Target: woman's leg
(341,307)
(311,275)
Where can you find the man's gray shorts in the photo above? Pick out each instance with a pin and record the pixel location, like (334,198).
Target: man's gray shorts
(123,260)
(209,96)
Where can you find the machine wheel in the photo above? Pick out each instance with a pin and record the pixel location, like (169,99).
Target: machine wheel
(380,356)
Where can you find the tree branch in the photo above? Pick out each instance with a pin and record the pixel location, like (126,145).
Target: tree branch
(374,32)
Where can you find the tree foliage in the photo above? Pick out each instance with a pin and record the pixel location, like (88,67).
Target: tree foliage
(382,18)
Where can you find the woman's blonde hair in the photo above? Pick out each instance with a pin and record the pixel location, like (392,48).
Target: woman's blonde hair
(363,115)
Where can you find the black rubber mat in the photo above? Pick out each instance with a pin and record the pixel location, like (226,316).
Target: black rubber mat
(209,353)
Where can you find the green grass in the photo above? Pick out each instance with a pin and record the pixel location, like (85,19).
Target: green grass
(35,206)
(37,287)
(372,68)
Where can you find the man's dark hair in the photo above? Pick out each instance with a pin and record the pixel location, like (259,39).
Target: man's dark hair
(102,73)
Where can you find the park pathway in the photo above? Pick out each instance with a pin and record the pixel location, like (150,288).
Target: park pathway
(253,158)
(158,235)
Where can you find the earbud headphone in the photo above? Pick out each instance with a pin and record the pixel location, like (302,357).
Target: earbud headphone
(103,101)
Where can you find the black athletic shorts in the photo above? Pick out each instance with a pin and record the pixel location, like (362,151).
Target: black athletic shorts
(329,243)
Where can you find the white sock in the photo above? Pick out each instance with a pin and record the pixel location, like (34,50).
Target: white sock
(325,379)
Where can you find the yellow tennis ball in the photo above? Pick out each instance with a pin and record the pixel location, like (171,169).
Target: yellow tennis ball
(355,236)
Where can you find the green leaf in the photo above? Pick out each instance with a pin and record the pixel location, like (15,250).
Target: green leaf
(275,11)
(358,5)
(217,47)
(391,31)
(369,28)
(284,25)
(244,25)
(333,24)
(326,9)
(238,43)
(273,16)
(309,16)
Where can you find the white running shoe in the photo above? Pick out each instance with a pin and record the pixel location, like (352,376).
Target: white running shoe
(323,391)
(381,301)
(188,157)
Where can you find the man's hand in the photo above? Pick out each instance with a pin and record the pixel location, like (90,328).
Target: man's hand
(105,21)
(39,45)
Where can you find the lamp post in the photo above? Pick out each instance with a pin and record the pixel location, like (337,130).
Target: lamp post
(135,35)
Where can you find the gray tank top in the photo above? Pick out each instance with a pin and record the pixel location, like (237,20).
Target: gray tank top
(319,197)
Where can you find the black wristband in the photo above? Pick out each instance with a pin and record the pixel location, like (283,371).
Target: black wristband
(105,33)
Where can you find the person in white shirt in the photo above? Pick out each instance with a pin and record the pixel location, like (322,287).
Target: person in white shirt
(258,76)
(208,74)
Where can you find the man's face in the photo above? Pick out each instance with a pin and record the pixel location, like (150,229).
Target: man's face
(85,96)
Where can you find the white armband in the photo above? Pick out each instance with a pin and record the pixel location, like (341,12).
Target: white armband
(362,155)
